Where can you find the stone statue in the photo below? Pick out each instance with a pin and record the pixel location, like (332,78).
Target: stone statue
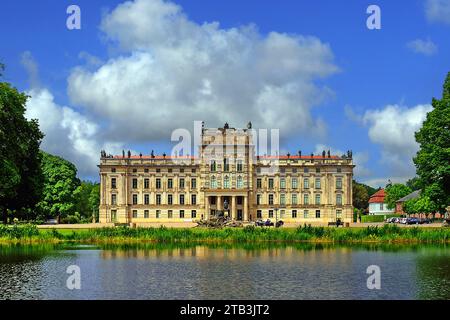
(323,154)
(299,153)
(329,153)
(226,126)
(129,154)
(225,204)
(152,154)
(249,125)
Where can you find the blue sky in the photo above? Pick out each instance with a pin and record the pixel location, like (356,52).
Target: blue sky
(351,88)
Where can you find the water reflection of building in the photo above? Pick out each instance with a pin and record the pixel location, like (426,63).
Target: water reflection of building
(227,173)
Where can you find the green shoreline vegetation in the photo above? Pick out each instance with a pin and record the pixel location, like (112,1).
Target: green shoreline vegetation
(392,234)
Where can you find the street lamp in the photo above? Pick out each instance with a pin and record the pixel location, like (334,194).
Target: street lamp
(276,216)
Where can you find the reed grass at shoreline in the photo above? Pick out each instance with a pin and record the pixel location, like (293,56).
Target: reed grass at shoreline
(29,234)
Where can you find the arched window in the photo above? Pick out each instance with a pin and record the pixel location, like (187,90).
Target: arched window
(240,183)
(226,182)
(213,182)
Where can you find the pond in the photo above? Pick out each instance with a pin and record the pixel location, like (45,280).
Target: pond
(269,272)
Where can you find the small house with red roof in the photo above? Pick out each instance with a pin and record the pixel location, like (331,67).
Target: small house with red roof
(377,205)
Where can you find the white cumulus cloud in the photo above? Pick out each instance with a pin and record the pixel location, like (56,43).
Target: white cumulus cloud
(172,71)
(393,128)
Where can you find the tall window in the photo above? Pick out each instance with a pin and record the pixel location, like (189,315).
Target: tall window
(146,183)
(170,214)
(146,199)
(169,183)
(226,165)
(270,183)
(338,214)
(193,183)
(258,199)
(158,213)
(181,214)
(213,183)
(193,199)
(317,213)
(213,166)
(134,183)
(146,214)
(181,198)
(158,199)
(271,199)
(282,199)
(193,214)
(113,199)
(283,183)
(259,183)
(226,182)
(317,198)
(339,183)
(339,199)
(113,183)
(158,183)
(294,213)
(306,198)
(305,214)
(181,182)
(294,183)
(135,214)
(169,199)
(135,199)
(240,184)
(306,183)
(258,214)
(294,198)
(270,213)
(317,184)
(239,167)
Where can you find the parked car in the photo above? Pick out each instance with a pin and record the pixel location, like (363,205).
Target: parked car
(391,220)
(262,223)
(51,221)
(412,221)
(403,220)
(424,221)
(279,223)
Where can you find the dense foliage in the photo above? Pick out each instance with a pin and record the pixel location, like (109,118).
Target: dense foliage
(61,188)
(395,192)
(251,234)
(21,180)
(361,195)
(433,158)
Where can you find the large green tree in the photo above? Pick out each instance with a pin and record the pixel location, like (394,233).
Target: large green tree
(361,195)
(87,199)
(61,187)
(433,158)
(394,192)
(21,178)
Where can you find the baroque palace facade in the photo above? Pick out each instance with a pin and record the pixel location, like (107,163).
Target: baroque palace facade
(227,177)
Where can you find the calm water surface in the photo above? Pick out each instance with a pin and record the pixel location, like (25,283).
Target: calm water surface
(199,272)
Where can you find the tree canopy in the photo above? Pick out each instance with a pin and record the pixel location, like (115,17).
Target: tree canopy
(21,178)
(61,187)
(433,158)
(394,192)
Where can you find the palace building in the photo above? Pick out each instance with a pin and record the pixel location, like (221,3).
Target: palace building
(226,177)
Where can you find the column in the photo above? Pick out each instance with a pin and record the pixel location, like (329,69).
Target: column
(245,208)
(206,216)
(219,203)
(233,207)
